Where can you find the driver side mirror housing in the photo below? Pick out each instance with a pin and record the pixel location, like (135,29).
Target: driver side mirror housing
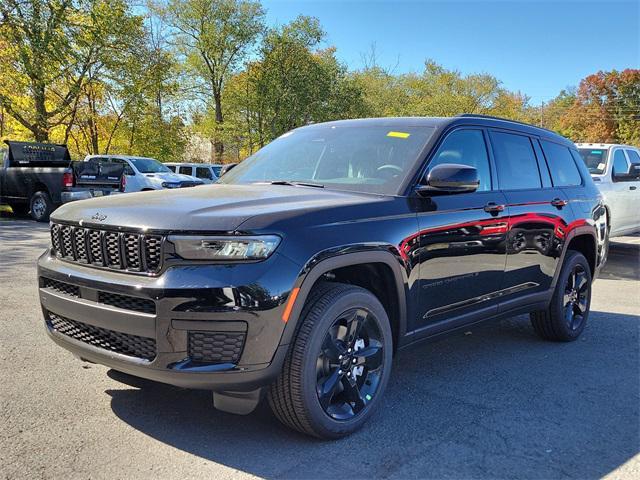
(632,174)
(450,178)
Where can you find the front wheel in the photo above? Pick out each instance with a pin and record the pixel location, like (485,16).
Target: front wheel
(338,366)
(568,311)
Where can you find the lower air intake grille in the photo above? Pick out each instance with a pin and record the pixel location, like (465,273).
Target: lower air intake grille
(61,287)
(128,303)
(122,343)
(215,347)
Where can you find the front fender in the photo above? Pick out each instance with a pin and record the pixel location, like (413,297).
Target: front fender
(345,256)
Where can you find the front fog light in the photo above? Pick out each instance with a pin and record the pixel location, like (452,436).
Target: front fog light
(224,248)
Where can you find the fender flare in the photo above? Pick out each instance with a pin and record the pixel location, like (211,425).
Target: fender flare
(585,230)
(317,267)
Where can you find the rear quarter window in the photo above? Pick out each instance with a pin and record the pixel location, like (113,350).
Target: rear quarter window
(633,156)
(564,172)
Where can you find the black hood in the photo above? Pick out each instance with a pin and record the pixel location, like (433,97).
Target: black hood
(213,208)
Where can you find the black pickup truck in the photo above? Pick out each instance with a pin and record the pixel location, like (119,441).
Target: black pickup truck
(39,177)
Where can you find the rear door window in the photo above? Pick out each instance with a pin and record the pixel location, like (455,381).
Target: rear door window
(564,172)
(204,172)
(185,170)
(633,156)
(515,161)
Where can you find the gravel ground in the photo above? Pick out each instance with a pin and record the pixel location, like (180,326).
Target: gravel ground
(495,402)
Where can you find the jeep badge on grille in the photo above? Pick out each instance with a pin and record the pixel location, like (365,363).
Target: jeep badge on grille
(99,216)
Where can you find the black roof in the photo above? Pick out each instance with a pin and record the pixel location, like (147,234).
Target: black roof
(444,122)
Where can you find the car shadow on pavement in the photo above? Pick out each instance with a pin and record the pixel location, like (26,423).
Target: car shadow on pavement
(493,402)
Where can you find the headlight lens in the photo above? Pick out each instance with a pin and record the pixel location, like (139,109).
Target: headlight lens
(225,248)
(170,185)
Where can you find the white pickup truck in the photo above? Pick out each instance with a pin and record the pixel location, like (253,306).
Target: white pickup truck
(615,169)
(143,173)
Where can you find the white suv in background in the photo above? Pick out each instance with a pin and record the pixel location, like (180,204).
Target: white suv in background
(207,172)
(615,169)
(143,173)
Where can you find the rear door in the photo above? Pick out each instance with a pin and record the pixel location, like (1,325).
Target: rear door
(538,216)
(619,195)
(634,190)
(462,238)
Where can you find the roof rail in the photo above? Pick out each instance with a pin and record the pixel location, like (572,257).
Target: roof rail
(479,115)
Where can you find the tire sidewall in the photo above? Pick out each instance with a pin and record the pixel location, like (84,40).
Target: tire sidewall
(327,426)
(47,200)
(573,259)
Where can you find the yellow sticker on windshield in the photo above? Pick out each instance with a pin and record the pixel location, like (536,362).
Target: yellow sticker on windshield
(398,134)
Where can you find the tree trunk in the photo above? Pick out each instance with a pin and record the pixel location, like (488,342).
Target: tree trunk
(218,145)
(40,128)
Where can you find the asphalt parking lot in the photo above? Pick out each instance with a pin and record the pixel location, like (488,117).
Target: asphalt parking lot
(494,402)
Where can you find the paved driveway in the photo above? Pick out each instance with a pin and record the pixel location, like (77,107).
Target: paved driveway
(495,402)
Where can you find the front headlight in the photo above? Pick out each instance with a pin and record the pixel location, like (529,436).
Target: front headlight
(224,248)
(170,185)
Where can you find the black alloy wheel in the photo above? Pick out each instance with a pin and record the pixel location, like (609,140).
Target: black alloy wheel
(337,366)
(568,311)
(575,297)
(350,364)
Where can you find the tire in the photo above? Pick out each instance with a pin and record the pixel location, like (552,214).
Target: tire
(314,361)
(568,311)
(41,206)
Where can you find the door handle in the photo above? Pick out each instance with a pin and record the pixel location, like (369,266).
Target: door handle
(632,187)
(492,207)
(559,202)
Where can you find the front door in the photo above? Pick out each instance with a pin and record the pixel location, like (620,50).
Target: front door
(462,238)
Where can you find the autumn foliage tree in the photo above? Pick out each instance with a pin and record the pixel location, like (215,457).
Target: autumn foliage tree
(606,108)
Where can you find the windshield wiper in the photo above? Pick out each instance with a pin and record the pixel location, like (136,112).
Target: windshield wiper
(302,184)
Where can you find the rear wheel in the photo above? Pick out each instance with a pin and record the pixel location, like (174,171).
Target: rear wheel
(568,311)
(338,366)
(41,206)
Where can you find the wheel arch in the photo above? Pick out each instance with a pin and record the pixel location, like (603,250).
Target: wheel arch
(384,278)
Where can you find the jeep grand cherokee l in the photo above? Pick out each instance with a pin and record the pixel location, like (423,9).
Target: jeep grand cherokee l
(310,264)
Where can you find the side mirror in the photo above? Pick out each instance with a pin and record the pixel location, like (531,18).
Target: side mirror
(450,178)
(632,174)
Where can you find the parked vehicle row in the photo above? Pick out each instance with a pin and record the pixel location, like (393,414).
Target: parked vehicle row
(39,177)
(208,173)
(615,169)
(305,268)
(143,173)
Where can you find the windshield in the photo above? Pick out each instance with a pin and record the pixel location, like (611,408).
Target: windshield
(372,159)
(149,165)
(216,170)
(595,159)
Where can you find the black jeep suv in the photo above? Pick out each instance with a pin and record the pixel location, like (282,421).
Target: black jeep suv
(311,263)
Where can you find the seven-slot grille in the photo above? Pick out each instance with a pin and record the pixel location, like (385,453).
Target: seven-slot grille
(103,248)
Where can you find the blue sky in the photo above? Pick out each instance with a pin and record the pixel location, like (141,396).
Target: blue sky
(536,47)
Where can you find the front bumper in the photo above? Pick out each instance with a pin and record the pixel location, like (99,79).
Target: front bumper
(172,312)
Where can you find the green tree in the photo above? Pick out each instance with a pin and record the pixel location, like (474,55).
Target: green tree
(214,37)
(51,47)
